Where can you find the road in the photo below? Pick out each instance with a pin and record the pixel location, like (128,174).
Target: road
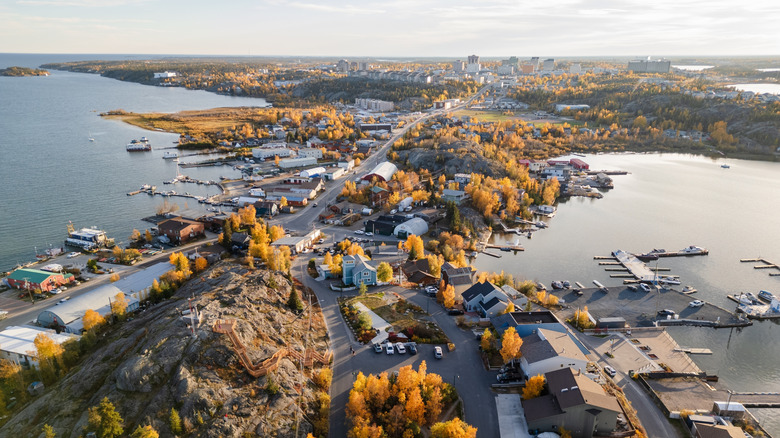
(22,313)
(306,219)
(461,367)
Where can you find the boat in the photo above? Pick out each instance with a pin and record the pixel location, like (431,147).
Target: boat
(141,145)
(725,166)
(694,250)
(766,295)
(668,280)
(689,290)
(170,155)
(748,298)
(88,239)
(557,284)
(648,256)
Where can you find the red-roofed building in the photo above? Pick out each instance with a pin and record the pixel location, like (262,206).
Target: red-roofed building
(579,164)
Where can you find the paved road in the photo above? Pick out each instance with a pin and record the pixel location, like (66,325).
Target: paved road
(461,367)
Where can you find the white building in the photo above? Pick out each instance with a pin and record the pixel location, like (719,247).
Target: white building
(314,171)
(165,75)
(289,163)
(263,153)
(334,173)
(310,152)
(649,66)
(17,344)
(375,105)
(346,165)
(416,226)
(549,350)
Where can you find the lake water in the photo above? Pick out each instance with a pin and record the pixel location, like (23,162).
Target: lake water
(758,88)
(672,201)
(53,174)
(693,67)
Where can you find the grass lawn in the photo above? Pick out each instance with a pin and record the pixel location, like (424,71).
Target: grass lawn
(399,313)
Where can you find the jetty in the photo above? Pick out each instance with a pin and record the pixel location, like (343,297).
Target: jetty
(607,172)
(505,247)
(498,256)
(765,264)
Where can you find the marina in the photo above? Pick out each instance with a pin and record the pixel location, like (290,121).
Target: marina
(765,264)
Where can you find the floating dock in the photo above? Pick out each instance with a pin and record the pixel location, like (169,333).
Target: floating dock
(506,247)
(766,264)
(694,350)
(498,256)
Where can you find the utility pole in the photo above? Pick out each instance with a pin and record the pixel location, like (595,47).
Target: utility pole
(29,291)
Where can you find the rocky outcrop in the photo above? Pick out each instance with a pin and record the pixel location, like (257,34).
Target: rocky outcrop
(154,363)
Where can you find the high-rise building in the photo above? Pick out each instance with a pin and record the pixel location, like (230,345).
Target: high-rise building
(549,65)
(343,66)
(473,59)
(649,66)
(363,66)
(458,66)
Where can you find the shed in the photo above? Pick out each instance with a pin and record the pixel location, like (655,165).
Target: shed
(415,226)
(314,171)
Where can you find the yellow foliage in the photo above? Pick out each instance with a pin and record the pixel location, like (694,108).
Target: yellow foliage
(510,345)
(533,387)
(92,319)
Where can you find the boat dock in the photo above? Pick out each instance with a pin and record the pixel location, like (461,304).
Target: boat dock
(505,247)
(607,172)
(694,350)
(498,256)
(766,264)
(636,267)
(755,311)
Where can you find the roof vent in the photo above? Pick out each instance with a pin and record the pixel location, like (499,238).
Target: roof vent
(564,389)
(574,387)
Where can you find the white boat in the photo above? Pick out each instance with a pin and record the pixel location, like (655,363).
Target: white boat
(748,298)
(668,280)
(689,290)
(694,250)
(141,145)
(170,155)
(87,238)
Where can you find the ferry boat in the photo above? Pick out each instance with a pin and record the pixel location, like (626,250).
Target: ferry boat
(88,239)
(170,155)
(141,145)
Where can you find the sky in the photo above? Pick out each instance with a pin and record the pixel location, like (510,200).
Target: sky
(393,28)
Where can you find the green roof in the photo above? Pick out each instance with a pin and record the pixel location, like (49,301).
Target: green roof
(33,275)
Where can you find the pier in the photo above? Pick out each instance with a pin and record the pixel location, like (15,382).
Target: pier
(506,247)
(766,264)
(498,256)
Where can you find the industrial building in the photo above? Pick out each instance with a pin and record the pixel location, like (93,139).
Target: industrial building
(314,171)
(17,344)
(289,163)
(263,153)
(383,172)
(35,279)
(415,226)
(67,316)
(310,152)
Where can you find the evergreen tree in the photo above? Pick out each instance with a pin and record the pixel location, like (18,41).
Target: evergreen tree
(294,302)
(104,420)
(175,422)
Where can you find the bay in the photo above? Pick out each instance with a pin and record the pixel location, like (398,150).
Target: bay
(672,201)
(758,88)
(52,174)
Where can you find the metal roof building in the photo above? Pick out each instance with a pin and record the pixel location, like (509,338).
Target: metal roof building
(67,316)
(415,226)
(17,344)
(383,171)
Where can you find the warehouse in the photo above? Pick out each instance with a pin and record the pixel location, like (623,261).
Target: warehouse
(288,163)
(382,172)
(415,226)
(34,279)
(17,344)
(67,316)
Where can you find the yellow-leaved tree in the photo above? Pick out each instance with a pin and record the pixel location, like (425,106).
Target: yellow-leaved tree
(92,319)
(510,345)
(533,387)
(119,305)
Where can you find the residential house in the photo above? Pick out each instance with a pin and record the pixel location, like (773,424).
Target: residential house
(456,196)
(486,299)
(460,278)
(527,323)
(574,402)
(378,196)
(356,269)
(418,272)
(548,350)
(240,240)
(180,230)
(518,299)
(266,208)
(717,431)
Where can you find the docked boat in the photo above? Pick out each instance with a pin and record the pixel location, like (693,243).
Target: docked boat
(748,298)
(557,284)
(88,239)
(725,166)
(141,145)
(694,250)
(668,280)
(170,155)
(689,290)
(766,295)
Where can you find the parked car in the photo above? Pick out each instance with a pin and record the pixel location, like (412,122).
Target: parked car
(358,231)
(412,349)
(369,233)
(378,348)
(666,312)
(455,312)
(696,303)
(632,287)
(509,377)
(74,254)
(55,291)
(644,287)
(389,348)
(609,370)
(400,347)
(437,352)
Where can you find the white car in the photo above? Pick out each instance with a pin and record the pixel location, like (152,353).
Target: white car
(696,303)
(609,370)
(74,254)
(369,233)
(358,231)
(389,348)
(55,291)
(437,352)
(644,287)
(400,347)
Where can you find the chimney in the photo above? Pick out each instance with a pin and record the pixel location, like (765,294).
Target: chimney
(579,371)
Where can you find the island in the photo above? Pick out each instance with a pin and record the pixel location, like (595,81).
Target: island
(23,71)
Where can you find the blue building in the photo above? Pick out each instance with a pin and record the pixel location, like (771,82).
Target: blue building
(356,269)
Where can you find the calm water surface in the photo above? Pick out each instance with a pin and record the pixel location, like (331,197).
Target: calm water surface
(670,202)
(51,172)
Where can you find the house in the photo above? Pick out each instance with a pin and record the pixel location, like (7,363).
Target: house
(515,296)
(240,240)
(527,323)
(574,402)
(462,179)
(357,270)
(415,226)
(460,278)
(548,350)
(298,243)
(347,165)
(486,299)
(324,271)
(378,196)
(17,344)
(418,272)
(334,173)
(266,209)
(35,279)
(456,196)
(180,230)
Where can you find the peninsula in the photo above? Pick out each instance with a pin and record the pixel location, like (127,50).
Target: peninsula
(23,71)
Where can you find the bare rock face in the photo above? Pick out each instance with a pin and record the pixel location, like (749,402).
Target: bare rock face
(155,362)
